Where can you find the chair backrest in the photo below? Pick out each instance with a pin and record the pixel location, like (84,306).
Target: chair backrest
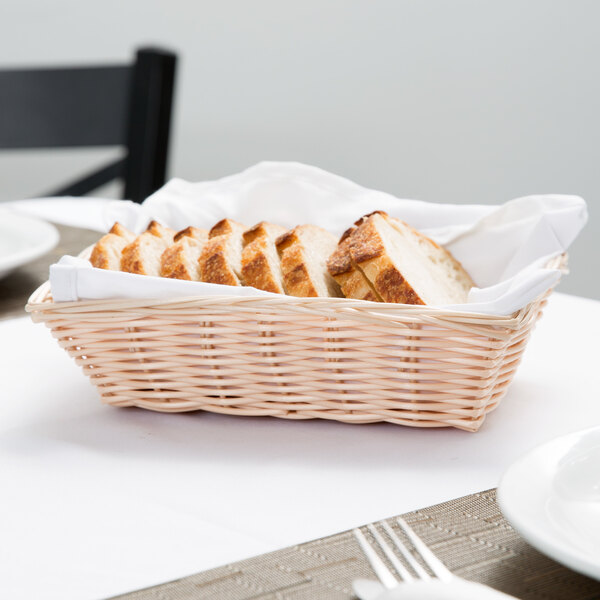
(124,105)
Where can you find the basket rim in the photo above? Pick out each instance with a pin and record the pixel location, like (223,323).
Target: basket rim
(343,306)
(40,301)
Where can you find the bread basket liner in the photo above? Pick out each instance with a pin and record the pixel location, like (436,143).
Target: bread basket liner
(296,358)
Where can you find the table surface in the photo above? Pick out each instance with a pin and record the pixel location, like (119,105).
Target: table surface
(98,501)
(16,287)
(469,535)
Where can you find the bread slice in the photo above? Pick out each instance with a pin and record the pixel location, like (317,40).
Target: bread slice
(226,227)
(404,265)
(180,259)
(350,277)
(143,255)
(304,251)
(221,258)
(261,267)
(195,233)
(106,254)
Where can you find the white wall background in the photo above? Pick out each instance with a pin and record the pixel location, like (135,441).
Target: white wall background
(465,101)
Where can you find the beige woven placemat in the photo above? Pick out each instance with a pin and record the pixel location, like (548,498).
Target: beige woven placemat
(469,534)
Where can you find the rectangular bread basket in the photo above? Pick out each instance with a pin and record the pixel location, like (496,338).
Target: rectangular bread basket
(294,358)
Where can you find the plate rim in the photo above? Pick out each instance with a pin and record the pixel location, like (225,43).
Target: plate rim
(22,257)
(537,536)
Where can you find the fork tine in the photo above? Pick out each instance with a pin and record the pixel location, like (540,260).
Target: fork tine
(408,557)
(383,573)
(400,568)
(430,559)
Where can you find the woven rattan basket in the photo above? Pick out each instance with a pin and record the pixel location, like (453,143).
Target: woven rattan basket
(294,358)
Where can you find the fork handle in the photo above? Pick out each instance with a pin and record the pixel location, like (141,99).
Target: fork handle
(434,589)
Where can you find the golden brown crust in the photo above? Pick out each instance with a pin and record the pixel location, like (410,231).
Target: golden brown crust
(347,233)
(360,264)
(296,277)
(130,263)
(304,271)
(365,243)
(365,217)
(257,269)
(348,275)
(368,254)
(340,262)
(285,240)
(256,272)
(259,230)
(394,288)
(130,260)
(106,254)
(172,266)
(158,230)
(118,229)
(142,256)
(99,257)
(370,296)
(359,222)
(355,285)
(193,232)
(175,262)
(213,264)
(224,227)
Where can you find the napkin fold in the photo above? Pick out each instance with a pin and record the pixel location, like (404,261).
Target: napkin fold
(504,248)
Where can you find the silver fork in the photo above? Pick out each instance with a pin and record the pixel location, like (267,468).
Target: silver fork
(415,582)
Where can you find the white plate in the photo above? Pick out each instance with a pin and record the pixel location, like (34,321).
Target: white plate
(23,239)
(552,498)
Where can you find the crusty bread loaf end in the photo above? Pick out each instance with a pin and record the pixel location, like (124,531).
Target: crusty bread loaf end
(404,266)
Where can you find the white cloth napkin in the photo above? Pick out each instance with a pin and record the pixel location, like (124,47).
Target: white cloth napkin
(504,248)
(88,213)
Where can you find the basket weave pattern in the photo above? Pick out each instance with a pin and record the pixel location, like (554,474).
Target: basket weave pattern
(294,358)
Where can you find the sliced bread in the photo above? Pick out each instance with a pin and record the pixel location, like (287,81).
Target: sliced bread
(405,266)
(349,277)
(221,258)
(142,256)
(261,267)
(304,251)
(180,259)
(106,254)
(195,233)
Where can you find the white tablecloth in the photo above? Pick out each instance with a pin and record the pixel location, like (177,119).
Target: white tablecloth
(97,501)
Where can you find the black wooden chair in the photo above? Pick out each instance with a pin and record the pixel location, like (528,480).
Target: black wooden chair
(127,106)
